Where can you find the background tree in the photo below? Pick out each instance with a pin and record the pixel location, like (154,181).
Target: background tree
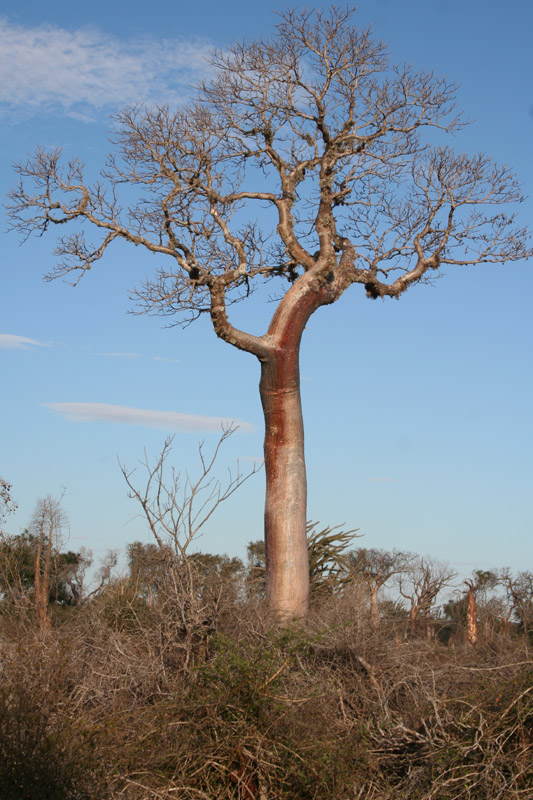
(7,504)
(256,569)
(147,564)
(471,612)
(328,557)
(519,591)
(47,526)
(481,581)
(70,570)
(34,567)
(220,580)
(17,567)
(374,568)
(316,125)
(421,585)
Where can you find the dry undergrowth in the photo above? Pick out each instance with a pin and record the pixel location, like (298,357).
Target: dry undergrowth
(210,699)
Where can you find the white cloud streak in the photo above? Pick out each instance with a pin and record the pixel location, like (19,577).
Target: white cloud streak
(167,360)
(121,355)
(147,418)
(51,69)
(9,341)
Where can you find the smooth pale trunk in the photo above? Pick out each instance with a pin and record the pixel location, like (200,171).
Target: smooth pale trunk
(286,486)
(287,560)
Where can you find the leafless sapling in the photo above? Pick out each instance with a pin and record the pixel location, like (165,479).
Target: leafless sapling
(176,507)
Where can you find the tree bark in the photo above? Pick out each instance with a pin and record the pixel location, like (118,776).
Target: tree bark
(287,563)
(278,351)
(471,615)
(286,486)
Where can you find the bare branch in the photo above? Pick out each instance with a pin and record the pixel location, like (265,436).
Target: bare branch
(176,507)
(316,126)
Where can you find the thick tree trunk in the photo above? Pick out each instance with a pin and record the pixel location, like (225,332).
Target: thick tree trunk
(287,562)
(286,486)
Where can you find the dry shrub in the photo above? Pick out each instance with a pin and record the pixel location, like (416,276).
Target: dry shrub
(47,751)
(203,696)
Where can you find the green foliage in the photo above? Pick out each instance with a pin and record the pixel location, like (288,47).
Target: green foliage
(18,555)
(7,504)
(17,561)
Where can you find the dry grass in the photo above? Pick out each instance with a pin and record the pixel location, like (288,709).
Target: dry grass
(212,700)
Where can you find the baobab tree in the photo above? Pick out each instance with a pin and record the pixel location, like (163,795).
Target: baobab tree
(303,160)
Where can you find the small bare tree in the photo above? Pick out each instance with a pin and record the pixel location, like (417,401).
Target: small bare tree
(176,508)
(426,578)
(318,127)
(519,591)
(375,568)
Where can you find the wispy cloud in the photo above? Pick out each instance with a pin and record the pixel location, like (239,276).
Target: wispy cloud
(168,360)
(120,355)
(381,480)
(147,418)
(48,68)
(9,341)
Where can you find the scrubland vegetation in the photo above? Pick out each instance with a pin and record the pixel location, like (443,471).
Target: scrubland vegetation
(172,680)
(179,678)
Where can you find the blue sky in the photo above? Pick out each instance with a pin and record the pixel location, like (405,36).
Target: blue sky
(418,412)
